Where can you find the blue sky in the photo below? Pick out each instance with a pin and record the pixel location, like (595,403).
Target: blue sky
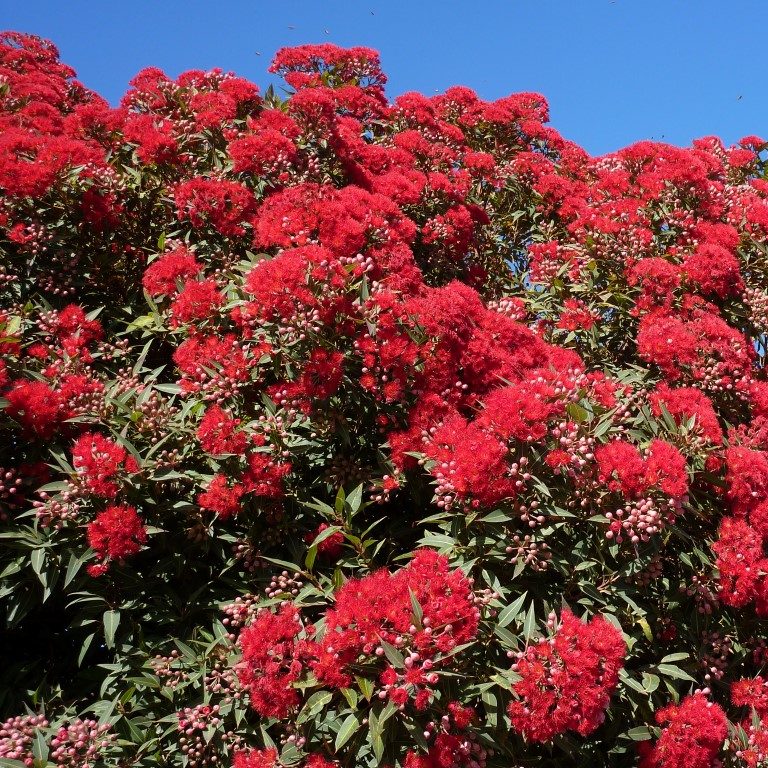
(614,71)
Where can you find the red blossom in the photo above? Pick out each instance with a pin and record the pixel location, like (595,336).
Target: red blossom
(693,735)
(567,683)
(116,533)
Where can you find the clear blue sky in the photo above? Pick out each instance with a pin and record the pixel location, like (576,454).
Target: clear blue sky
(614,72)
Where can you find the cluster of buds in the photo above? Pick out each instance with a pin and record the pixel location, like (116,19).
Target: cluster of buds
(126,380)
(248,555)
(358,264)
(167,458)
(381,492)
(32,238)
(527,550)
(640,519)
(114,349)
(579,448)
(624,245)
(17,735)
(344,472)
(718,376)
(90,402)
(198,532)
(482,598)
(293,738)
(7,275)
(757,301)
(80,744)
(57,511)
(511,307)
(700,590)
(651,572)
(165,667)
(714,658)
(154,413)
(200,751)
(759,650)
(63,268)
(275,426)
(214,386)
(223,681)
(240,612)
(11,487)
(284,585)
(456,391)
(304,323)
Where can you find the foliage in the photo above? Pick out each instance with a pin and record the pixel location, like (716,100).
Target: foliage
(345,432)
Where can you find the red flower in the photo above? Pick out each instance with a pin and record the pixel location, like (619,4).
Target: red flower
(116,533)
(223,205)
(693,735)
(163,274)
(222,498)
(331,546)
(197,300)
(567,683)
(218,433)
(256,758)
(99,461)
(38,408)
(269,667)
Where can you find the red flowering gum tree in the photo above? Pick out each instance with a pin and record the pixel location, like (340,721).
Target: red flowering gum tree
(346,432)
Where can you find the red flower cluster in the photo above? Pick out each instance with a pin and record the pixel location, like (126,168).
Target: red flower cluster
(422,611)
(223,205)
(115,534)
(99,461)
(435,298)
(163,275)
(693,735)
(566,683)
(271,661)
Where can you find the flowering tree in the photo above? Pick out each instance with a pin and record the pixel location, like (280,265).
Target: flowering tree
(340,432)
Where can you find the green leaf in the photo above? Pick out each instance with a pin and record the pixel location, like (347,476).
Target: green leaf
(507,638)
(111,621)
(508,614)
(497,516)
(577,413)
(631,682)
(40,747)
(418,613)
(290,755)
(37,559)
(669,670)
(365,686)
(354,499)
(529,626)
(186,651)
(351,696)
(73,567)
(646,627)
(171,389)
(339,503)
(348,729)
(327,533)
(650,682)
(315,704)
(84,649)
(394,656)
